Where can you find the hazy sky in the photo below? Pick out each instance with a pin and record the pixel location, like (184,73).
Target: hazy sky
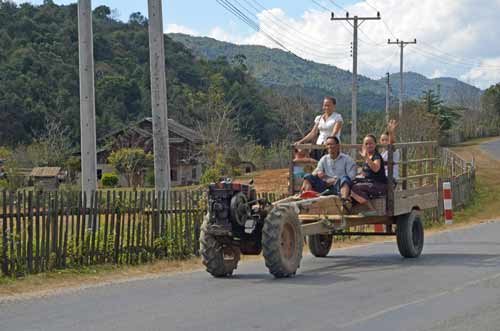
(456,38)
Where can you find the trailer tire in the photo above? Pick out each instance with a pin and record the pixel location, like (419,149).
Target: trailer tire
(410,234)
(320,244)
(282,242)
(212,254)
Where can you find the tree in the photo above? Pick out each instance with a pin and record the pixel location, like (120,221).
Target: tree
(137,19)
(52,146)
(446,115)
(131,162)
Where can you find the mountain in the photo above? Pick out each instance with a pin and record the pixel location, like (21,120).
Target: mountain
(283,71)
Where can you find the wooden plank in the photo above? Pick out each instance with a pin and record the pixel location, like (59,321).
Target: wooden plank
(67,212)
(414,192)
(134,216)
(408,178)
(129,223)
(30,234)
(11,234)
(18,232)
(5,259)
(420,165)
(106,225)
(422,201)
(24,229)
(98,212)
(404,166)
(390,179)
(60,220)
(37,232)
(117,230)
(48,223)
(319,227)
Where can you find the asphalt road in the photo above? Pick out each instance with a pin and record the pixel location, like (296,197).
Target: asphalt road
(454,285)
(493,148)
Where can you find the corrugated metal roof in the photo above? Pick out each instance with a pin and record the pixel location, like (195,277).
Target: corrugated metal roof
(45,172)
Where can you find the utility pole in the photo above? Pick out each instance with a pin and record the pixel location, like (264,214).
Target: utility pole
(387,92)
(87,99)
(402,45)
(158,96)
(357,21)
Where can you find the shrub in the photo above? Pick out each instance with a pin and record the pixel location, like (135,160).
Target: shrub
(109,180)
(210,175)
(149,178)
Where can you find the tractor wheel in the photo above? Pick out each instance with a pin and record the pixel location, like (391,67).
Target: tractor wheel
(410,234)
(220,260)
(282,242)
(320,244)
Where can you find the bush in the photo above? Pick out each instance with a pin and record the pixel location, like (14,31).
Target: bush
(210,175)
(149,177)
(109,180)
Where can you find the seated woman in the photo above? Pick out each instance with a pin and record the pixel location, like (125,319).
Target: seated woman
(372,181)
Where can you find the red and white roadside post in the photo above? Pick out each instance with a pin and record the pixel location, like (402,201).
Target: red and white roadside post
(448,206)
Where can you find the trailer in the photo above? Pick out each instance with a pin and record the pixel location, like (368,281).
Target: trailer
(239,223)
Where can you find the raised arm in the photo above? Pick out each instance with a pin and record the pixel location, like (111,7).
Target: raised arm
(391,129)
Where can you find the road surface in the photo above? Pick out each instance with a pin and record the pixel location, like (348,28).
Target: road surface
(454,285)
(493,148)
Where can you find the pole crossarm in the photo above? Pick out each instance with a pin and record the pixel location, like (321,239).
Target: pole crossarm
(355,24)
(402,44)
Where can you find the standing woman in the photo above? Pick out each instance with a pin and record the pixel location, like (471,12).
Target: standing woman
(326,125)
(389,137)
(372,181)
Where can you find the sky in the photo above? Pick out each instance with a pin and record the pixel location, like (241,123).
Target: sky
(455,38)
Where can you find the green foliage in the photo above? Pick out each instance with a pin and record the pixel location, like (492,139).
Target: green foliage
(447,116)
(109,180)
(130,162)
(39,75)
(149,178)
(210,175)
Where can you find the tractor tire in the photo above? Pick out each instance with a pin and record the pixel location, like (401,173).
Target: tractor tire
(410,234)
(282,242)
(320,244)
(214,255)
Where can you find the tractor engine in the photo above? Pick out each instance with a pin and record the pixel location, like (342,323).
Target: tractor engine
(236,216)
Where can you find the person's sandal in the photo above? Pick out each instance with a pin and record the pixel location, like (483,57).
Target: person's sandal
(347,204)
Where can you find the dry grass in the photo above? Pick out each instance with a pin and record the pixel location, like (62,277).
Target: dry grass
(484,208)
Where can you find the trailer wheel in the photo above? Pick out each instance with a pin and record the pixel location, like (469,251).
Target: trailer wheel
(282,242)
(219,260)
(320,244)
(410,234)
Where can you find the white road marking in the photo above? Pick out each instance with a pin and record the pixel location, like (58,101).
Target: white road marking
(416,302)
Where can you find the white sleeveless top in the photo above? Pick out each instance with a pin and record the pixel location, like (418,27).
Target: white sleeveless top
(325,127)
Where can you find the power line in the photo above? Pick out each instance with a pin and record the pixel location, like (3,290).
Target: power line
(281,24)
(402,44)
(313,52)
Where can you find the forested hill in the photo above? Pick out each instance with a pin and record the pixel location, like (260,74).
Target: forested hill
(39,76)
(275,67)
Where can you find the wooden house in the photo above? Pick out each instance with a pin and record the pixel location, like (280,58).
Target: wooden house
(184,143)
(46,178)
